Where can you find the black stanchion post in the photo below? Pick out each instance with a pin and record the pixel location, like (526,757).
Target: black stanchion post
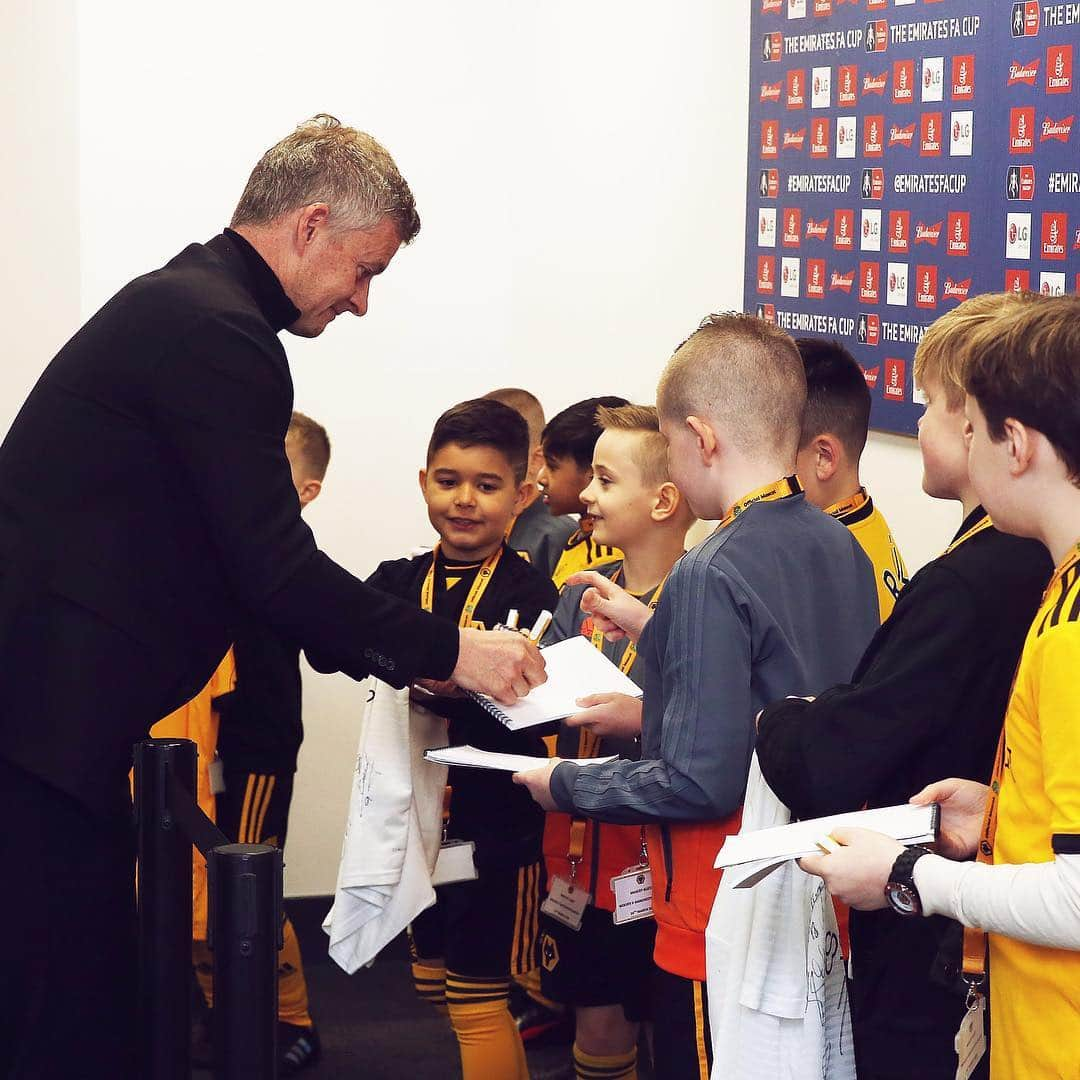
(164,884)
(245,936)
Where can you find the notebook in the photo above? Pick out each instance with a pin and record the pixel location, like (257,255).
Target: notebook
(574,668)
(767,849)
(471,758)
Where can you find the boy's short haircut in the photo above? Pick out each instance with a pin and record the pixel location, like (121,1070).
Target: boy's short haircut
(837,397)
(523,402)
(483,422)
(650,452)
(574,431)
(943,352)
(312,442)
(1025,364)
(744,374)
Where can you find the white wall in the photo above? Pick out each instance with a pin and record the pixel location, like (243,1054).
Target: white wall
(579,169)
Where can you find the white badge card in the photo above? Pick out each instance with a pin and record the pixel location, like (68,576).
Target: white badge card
(970,1040)
(566,903)
(456,862)
(633,895)
(217,777)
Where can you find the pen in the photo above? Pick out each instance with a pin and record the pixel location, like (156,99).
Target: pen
(541,625)
(828,845)
(512,617)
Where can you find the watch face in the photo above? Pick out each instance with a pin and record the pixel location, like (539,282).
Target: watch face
(903,899)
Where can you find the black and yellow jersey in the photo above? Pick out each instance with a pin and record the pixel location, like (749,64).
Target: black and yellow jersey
(1035,991)
(540,537)
(868,525)
(485,806)
(581,552)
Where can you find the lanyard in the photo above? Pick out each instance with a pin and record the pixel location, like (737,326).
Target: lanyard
(975,940)
(981,525)
(849,506)
(479,586)
(630,654)
(778,489)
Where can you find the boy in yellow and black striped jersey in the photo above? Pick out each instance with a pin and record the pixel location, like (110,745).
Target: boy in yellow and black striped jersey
(834,431)
(603,969)
(480,932)
(568,442)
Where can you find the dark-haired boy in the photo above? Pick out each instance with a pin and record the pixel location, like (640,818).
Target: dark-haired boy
(568,442)
(1023,410)
(925,701)
(480,932)
(537,535)
(834,429)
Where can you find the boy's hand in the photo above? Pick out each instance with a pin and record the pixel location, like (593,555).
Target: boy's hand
(612,608)
(538,781)
(963,803)
(500,663)
(609,714)
(857,874)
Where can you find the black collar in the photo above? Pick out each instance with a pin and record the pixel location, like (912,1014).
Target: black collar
(970,522)
(252,269)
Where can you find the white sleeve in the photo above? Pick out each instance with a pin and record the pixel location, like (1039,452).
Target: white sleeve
(1037,902)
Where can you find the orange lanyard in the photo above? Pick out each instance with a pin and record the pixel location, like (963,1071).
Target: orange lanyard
(975,940)
(479,586)
(981,525)
(778,489)
(849,506)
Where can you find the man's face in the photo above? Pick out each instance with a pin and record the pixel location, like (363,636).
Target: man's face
(941,442)
(472,497)
(561,481)
(334,271)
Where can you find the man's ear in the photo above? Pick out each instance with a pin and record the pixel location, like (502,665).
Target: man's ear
(1021,444)
(828,453)
(309,491)
(708,445)
(309,222)
(666,502)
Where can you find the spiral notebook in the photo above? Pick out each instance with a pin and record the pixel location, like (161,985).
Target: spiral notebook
(574,669)
(471,758)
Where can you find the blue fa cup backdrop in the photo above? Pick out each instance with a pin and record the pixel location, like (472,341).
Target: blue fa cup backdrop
(905,155)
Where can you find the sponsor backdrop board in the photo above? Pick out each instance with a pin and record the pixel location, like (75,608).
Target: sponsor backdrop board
(904,155)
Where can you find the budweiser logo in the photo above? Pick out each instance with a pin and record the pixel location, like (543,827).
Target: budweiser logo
(770,92)
(956,290)
(1023,73)
(928,234)
(795,140)
(901,136)
(817,230)
(842,282)
(875,84)
(770,6)
(1057,129)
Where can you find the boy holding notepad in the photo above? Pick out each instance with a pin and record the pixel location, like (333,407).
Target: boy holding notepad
(600,965)
(481,931)
(779,600)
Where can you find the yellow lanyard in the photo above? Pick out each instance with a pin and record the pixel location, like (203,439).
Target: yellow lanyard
(981,525)
(479,586)
(778,489)
(849,506)
(975,940)
(630,654)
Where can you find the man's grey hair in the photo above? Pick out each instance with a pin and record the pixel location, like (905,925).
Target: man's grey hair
(323,161)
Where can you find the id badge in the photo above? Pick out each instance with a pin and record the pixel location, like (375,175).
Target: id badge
(217,776)
(633,895)
(970,1040)
(566,903)
(456,862)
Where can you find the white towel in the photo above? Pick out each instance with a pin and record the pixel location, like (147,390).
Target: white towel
(778,1006)
(393,829)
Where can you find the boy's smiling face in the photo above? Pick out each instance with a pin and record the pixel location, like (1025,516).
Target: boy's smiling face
(472,497)
(617,495)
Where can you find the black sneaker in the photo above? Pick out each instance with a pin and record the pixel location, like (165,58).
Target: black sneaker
(298,1047)
(536,1021)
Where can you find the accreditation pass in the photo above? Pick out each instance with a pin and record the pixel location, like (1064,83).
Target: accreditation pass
(633,895)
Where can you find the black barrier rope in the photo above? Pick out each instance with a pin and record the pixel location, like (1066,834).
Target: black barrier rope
(201,831)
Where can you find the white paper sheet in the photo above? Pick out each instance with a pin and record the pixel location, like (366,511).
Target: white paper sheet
(472,758)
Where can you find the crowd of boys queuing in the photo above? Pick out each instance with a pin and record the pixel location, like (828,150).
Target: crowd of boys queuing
(792,629)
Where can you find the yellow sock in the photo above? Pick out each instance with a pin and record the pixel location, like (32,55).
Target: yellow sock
(430,983)
(487,1036)
(529,981)
(610,1067)
(292,986)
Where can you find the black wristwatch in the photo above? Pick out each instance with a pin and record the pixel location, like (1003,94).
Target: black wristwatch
(900,890)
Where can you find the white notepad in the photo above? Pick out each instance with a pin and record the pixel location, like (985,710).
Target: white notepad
(472,758)
(574,669)
(769,848)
